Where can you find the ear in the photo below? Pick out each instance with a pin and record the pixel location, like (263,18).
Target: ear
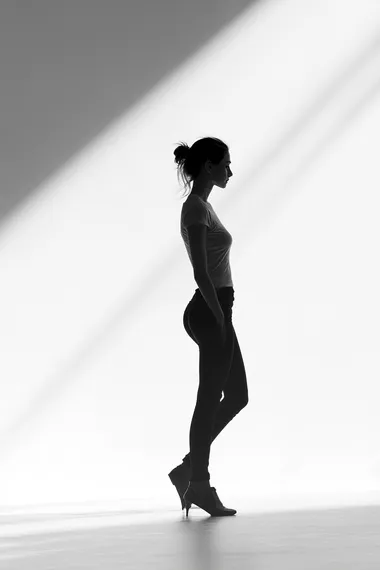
(208,166)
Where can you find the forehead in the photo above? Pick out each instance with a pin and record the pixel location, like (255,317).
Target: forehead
(227,157)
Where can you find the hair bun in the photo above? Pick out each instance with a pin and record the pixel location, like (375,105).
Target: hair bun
(181,152)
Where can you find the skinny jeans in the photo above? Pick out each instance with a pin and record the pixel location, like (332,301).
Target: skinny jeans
(221,373)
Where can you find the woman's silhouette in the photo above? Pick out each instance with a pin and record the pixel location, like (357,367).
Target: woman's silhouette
(208,321)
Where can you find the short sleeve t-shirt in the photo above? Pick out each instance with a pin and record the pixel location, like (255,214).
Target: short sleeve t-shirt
(218,243)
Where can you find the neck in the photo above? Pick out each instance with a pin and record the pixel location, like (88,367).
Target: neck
(201,189)
(201,195)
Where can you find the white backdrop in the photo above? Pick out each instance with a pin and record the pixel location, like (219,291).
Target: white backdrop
(98,377)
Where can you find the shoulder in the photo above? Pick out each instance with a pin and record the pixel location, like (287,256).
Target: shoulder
(195,210)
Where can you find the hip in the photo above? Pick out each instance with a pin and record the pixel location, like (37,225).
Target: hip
(226,298)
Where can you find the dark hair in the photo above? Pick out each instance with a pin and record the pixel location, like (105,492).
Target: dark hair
(191,160)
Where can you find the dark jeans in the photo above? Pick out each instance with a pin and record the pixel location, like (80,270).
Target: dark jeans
(221,369)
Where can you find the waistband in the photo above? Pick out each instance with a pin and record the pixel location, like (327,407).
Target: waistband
(226,295)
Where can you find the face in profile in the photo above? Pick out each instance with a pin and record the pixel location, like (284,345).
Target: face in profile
(222,172)
(211,174)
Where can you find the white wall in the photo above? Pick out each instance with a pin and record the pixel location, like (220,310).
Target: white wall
(98,377)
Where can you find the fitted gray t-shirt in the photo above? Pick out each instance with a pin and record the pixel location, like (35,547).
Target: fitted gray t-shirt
(218,242)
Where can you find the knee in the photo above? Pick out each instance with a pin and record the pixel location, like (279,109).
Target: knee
(244,402)
(243,398)
(238,404)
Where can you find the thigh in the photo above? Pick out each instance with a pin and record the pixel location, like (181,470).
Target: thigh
(236,386)
(215,360)
(215,353)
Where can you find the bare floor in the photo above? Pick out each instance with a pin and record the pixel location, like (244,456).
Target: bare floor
(336,539)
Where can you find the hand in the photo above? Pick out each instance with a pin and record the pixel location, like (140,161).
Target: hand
(222,324)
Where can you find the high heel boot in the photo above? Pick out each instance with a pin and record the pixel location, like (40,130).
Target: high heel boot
(180,477)
(207,500)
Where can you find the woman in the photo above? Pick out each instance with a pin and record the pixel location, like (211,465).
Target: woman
(208,321)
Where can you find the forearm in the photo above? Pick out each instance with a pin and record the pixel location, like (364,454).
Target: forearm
(208,291)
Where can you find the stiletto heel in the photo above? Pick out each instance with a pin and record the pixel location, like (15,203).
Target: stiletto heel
(187,505)
(180,476)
